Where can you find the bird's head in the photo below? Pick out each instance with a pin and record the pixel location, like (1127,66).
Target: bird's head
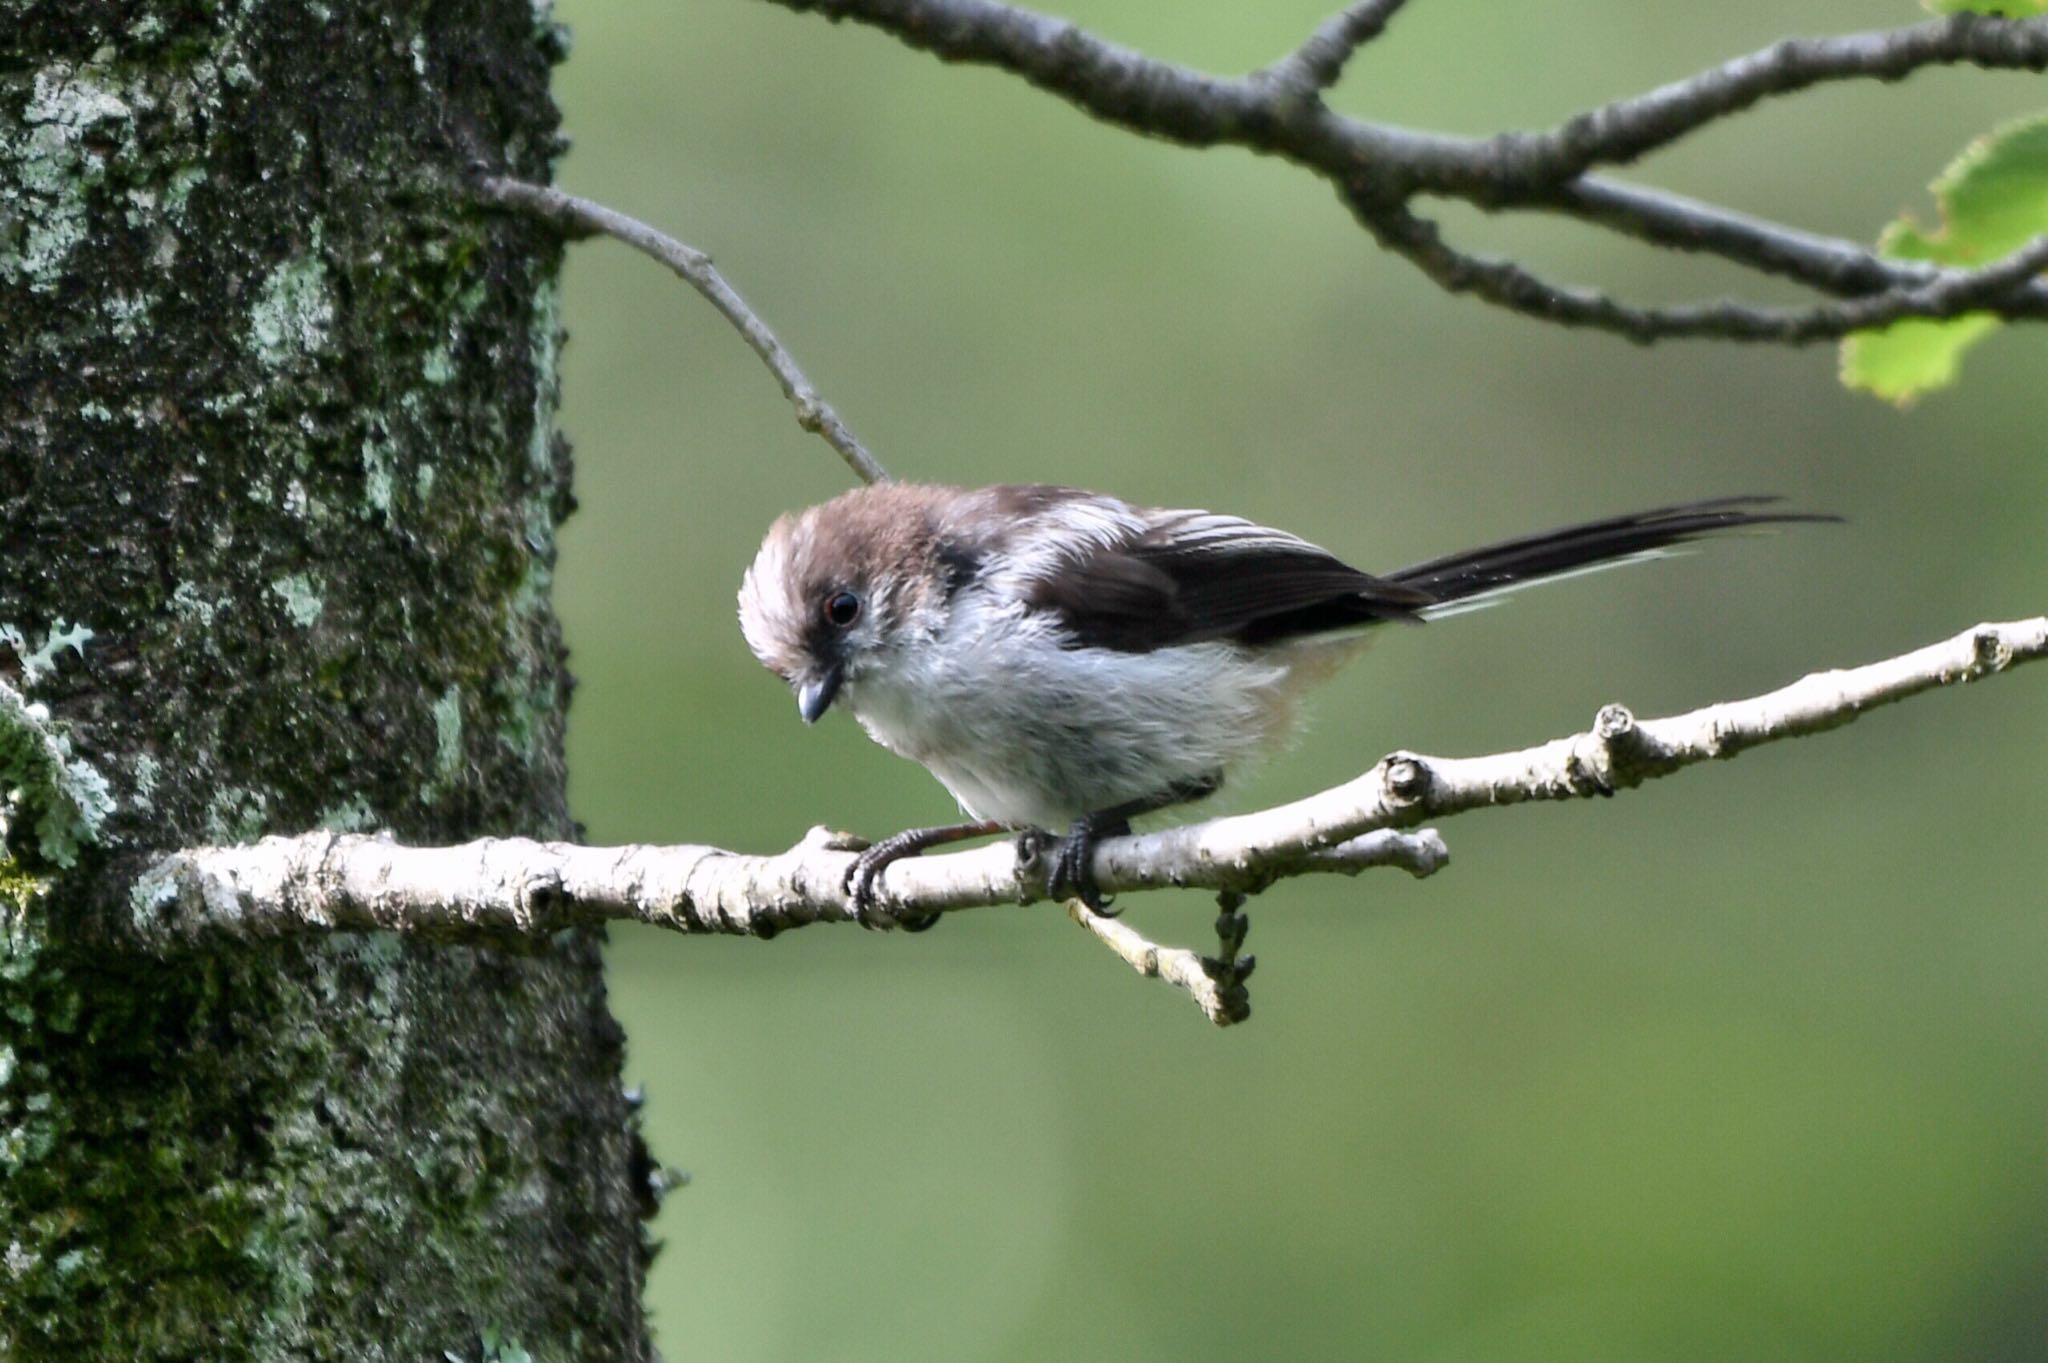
(836,589)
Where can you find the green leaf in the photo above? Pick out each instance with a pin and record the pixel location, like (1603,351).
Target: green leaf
(2014,8)
(1993,200)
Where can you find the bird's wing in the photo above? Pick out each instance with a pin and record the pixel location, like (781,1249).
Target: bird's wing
(1182,577)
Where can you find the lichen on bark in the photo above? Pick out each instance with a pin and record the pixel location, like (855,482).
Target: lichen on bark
(276,428)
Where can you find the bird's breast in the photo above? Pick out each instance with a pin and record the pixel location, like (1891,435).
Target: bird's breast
(1030,733)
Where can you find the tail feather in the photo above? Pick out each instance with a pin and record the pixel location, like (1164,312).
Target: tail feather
(1468,580)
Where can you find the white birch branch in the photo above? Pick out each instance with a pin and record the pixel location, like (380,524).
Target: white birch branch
(328,881)
(1214,983)
(325,881)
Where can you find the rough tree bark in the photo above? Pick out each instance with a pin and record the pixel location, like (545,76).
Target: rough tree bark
(278,491)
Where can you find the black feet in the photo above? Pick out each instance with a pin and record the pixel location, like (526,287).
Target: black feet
(1073,859)
(876,858)
(860,882)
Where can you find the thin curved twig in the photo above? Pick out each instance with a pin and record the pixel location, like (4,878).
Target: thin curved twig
(579,218)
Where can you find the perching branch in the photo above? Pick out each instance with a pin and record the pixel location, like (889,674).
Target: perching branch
(326,881)
(581,218)
(1380,168)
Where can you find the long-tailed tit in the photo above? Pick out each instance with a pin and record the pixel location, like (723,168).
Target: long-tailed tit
(1061,659)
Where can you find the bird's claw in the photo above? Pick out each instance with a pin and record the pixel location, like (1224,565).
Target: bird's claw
(859,885)
(1031,844)
(1073,868)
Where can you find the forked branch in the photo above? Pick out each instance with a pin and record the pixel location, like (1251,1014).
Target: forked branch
(1381,169)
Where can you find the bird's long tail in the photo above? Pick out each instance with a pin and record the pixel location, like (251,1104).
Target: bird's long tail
(1479,577)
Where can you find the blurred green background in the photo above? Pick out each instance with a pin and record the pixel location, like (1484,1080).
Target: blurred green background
(1747,1065)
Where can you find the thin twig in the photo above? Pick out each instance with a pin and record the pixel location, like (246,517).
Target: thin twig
(1216,986)
(1621,131)
(1662,218)
(1319,62)
(584,218)
(1947,293)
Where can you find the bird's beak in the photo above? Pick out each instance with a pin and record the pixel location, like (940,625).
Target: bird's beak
(815,695)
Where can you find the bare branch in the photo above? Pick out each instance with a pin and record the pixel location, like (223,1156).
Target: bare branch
(1831,264)
(1110,82)
(1377,165)
(580,218)
(1319,62)
(329,881)
(1620,132)
(326,880)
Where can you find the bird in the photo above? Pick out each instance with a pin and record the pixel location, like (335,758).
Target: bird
(1065,661)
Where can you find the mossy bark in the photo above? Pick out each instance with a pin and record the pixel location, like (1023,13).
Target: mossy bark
(278,491)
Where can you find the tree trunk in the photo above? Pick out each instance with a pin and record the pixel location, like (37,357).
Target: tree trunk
(278,492)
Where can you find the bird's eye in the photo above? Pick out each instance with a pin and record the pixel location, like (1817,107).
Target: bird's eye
(842,608)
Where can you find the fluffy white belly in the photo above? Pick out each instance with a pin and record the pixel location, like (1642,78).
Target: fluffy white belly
(1031,734)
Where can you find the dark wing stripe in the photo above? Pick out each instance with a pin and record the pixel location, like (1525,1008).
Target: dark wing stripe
(1195,578)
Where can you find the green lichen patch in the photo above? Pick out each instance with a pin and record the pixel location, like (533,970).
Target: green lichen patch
(234,815)
(378,484)
(294,313)
(301,598)
(352,815)
(41,660)
(57,155)
(20,888)
(146,773)
(447,745)
(189,602)
(60,797)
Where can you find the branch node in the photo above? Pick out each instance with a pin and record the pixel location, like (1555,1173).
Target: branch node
(825,838)
(1990,649)
(1406,778)
(1614,725)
